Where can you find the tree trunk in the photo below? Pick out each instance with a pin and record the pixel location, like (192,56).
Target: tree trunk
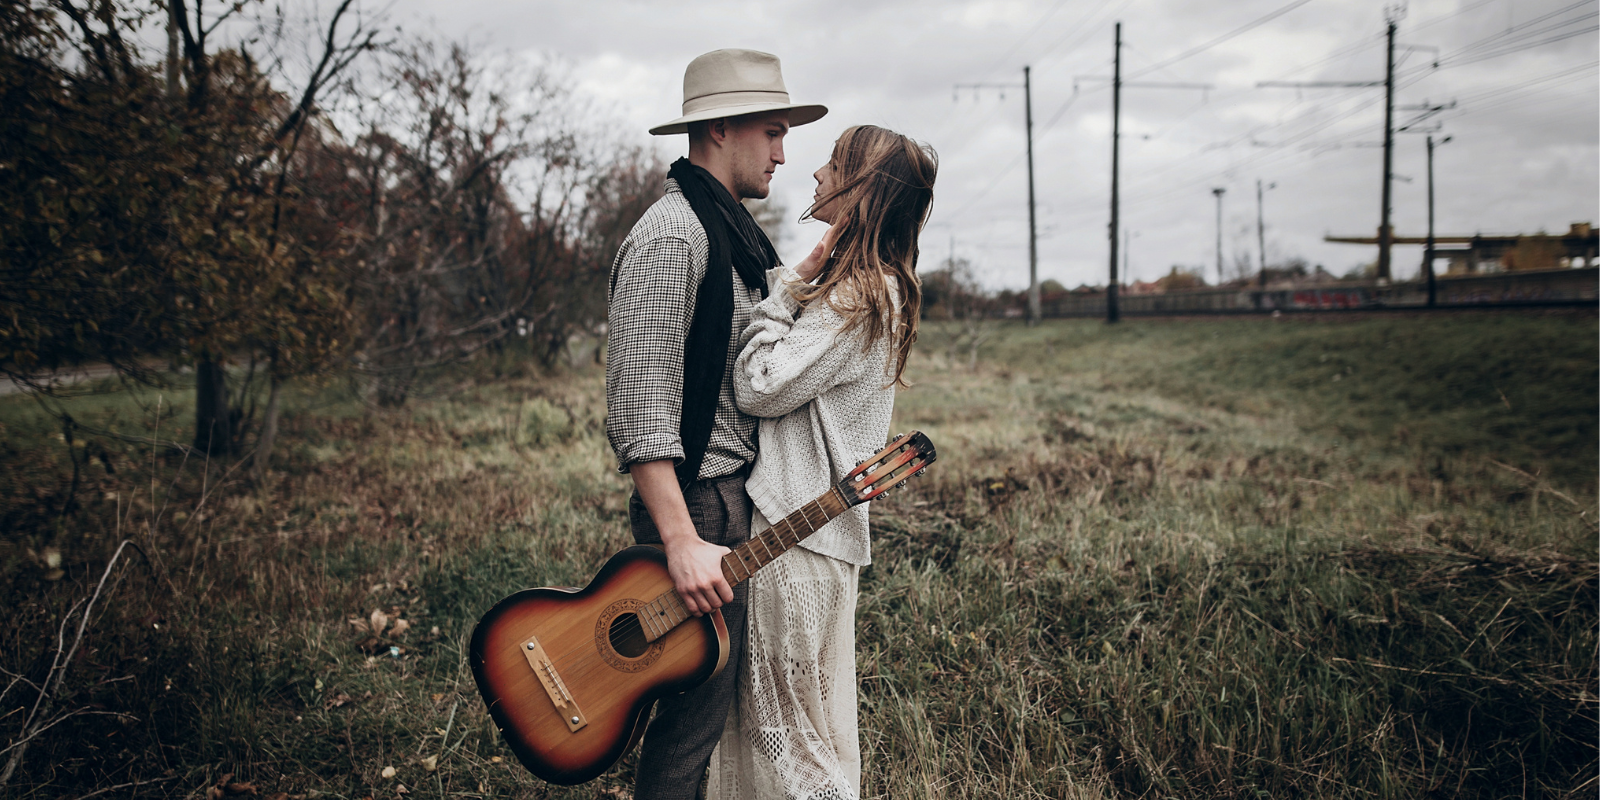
(213,429)
(269,430)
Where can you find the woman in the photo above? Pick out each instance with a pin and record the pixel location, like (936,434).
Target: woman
(819,364)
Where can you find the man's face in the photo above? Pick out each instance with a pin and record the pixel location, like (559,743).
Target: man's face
(755,144)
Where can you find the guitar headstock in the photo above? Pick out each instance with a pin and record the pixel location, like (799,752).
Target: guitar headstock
(905,458)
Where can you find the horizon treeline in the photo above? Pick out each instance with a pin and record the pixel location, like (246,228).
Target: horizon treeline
(301,199)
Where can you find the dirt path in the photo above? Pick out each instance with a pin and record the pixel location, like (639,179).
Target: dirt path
(64,377)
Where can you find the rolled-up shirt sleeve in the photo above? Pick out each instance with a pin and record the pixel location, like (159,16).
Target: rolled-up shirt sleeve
(648,320)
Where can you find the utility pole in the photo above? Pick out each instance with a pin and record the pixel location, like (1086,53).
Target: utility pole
(1113,312)
(1385,229)
(1033,232)
(1218,192)
(1392,16)
(1261,232)
(1427,256)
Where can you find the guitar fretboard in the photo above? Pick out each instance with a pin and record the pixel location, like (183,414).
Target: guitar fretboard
(667,611)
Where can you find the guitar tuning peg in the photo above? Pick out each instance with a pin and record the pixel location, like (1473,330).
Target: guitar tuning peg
(859,462)
(922,471)
(899,436)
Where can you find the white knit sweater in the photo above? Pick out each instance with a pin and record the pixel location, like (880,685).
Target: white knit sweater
(824,404)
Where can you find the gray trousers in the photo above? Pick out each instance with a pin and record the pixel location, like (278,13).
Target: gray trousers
(677,745)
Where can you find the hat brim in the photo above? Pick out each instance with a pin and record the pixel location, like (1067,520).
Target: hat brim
(798,115)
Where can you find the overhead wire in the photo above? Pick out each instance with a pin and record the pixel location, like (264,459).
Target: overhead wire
(1452,15)
(1520,48)
(1141,200)
(1245,28)
(1514,39)
(1035,28)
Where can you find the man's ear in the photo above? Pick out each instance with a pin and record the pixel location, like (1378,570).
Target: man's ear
(717,131)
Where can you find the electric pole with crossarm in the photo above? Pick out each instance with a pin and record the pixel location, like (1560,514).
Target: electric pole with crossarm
(1033,233)
(1392,16)
(1113,311)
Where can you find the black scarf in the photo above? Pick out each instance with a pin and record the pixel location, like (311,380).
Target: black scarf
(737,244)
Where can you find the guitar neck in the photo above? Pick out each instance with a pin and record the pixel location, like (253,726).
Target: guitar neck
(763,549)
(667,611)
(904,458)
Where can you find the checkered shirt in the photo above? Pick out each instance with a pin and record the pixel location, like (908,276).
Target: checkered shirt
(655,281)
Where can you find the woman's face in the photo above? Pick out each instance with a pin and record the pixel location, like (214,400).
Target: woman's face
(824,178)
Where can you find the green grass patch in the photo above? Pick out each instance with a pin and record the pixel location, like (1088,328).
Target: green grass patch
(1191,558)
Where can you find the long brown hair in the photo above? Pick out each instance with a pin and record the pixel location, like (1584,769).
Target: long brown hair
(882,194)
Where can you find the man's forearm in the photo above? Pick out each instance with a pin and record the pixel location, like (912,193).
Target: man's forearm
(657,482)
(694,564)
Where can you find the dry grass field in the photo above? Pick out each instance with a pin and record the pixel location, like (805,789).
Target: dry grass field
(1189,558)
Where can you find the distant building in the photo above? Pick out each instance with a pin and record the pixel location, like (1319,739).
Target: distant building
(1470,255)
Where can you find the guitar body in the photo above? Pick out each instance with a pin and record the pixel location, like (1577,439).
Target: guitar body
(584,648)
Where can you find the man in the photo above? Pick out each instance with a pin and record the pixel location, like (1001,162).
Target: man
(682,288)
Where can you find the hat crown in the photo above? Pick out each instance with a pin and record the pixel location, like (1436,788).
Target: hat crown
(734,83)
(724,71)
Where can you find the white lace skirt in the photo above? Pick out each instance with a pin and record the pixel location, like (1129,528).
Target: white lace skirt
(792,731)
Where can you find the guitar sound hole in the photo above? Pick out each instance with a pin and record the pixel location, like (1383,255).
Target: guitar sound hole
(627,637)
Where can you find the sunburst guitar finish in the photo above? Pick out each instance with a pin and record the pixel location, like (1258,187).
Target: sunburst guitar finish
(569,675)
(611,683)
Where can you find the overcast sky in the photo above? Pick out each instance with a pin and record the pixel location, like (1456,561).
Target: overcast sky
(1524,155)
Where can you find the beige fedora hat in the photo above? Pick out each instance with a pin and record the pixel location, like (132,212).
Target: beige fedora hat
(729,83)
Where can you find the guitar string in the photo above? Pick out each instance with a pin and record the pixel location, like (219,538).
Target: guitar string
(679,614)
(589,666)
(634,623)
(584,666)
(894,471)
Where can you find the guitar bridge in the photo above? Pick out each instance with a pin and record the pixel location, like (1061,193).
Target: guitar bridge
(553,685)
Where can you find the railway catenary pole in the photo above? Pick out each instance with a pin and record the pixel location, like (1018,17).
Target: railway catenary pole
(1392,14)
(1113,308)
(1219,191)
(1385,228)
(1113,313)
(1033,232)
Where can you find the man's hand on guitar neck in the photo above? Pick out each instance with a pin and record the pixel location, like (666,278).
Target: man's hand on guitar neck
(694,564)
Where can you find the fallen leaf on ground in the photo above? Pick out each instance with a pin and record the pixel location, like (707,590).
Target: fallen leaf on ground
(388,772)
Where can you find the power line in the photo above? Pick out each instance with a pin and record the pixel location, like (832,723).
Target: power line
(1248,26)
(1089,31)
(1036,27)
(1496,39)
(1452,15)
(1521,48)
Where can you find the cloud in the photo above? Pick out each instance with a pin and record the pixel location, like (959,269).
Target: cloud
(1521,160)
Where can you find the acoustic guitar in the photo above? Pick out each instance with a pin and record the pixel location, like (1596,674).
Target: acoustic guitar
(569,675)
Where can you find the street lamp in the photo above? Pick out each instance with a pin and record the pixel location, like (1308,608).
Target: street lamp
(1427,256)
